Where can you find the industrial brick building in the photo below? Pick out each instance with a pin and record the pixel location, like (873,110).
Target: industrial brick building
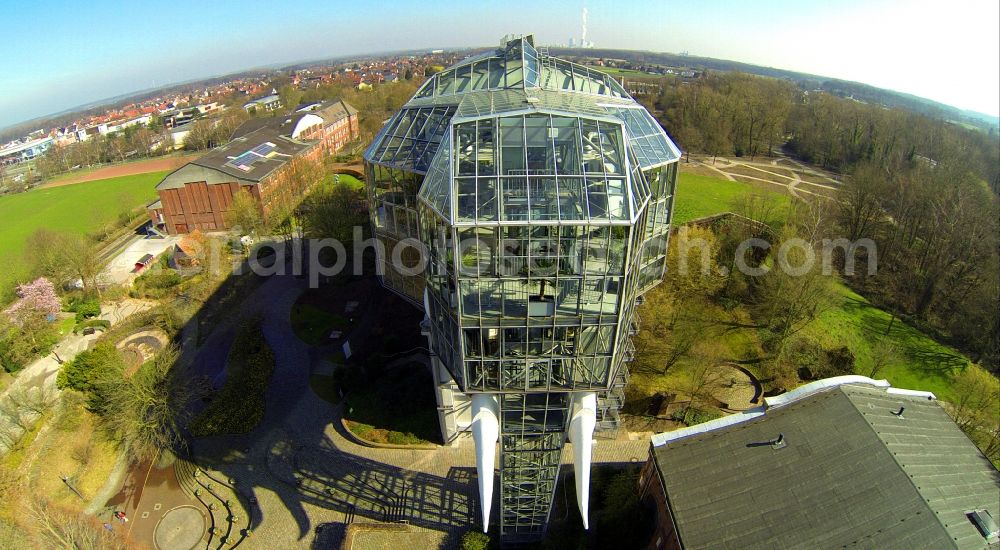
(266,158)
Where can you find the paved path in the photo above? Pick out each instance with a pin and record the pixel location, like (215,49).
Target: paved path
(304,473)
(733,169)
(42,373)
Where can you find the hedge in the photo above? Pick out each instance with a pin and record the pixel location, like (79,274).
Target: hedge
(239,406)
(84,308)
(103,324)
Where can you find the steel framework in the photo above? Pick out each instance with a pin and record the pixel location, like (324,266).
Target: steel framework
(536,194)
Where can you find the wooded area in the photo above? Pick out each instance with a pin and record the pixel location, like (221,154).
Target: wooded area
(924,190)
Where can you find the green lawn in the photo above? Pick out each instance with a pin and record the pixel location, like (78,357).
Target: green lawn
(346,179)
(919,362)
(699,196)
(325,387)
(614,71)
(313,325)
(77,208)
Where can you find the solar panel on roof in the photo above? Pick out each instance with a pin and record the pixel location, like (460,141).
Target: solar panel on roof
(246,160)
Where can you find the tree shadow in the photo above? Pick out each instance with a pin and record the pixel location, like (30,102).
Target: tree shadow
(931,361)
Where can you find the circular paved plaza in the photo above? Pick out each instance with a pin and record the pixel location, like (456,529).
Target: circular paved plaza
(180,529)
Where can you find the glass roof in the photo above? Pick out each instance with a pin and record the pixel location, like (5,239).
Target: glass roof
(513,135)
(436,189)
(410,139)
(518,65)
(535,168)
(650,143)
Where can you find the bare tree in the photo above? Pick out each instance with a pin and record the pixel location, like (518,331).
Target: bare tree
(33,399)
(883,353)
(702,378)
(55,527)
(144,412)
(245,214)
(60,256)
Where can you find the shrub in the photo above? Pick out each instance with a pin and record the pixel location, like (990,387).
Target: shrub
(239,406)
(20,345)
(83,372)
(694,416)
(84,307)
(475,540)
(155,283)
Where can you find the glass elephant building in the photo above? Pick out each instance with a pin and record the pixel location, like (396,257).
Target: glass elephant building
(524,203)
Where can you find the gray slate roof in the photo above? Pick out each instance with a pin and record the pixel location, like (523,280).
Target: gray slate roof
(851,474)
(329,111)
(215,166)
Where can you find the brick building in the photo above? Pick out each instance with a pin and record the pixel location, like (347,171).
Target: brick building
(267,157)
(842,462)
(332,123)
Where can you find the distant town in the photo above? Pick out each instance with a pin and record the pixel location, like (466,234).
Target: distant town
(170,113)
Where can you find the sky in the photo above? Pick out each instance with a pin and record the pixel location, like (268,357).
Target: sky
(64,53)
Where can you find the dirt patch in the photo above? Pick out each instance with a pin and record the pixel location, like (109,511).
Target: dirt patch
(127,169)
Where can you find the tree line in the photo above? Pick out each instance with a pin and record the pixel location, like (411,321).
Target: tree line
(923,190)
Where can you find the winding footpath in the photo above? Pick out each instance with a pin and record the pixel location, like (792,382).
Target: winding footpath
(300,473)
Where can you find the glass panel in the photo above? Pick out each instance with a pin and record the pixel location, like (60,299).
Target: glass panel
(496,73)
(466,149)
(572,199)
(513,70)
(487,199)
(566,136)
(515,199)
(446,82)
(486,147)
(463,76)
(480,73)
(544,201)
(466,198)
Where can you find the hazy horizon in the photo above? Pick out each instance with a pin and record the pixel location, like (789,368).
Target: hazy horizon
(97,52)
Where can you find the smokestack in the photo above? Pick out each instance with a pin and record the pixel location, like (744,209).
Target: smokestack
(583,35)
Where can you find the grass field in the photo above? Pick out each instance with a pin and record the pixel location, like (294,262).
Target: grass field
(918,362)
(613,71)
(699,196)
(345,179)
(81,208)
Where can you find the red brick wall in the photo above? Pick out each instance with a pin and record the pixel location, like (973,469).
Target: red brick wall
(664,536)
(204,207)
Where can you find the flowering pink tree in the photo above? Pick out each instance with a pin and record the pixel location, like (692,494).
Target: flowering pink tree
(37,297)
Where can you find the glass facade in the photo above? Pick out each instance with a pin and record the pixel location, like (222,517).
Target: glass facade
(541,195)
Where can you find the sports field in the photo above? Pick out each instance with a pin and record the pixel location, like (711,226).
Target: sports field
(81,208)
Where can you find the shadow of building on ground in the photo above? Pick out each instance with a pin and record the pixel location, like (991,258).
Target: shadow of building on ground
(294,464)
